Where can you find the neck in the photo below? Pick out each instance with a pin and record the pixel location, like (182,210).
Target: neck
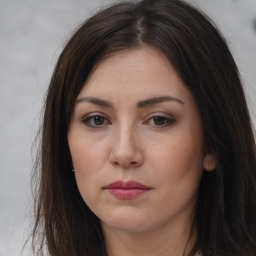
(163,241)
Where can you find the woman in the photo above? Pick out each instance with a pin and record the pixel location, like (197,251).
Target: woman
(147,145)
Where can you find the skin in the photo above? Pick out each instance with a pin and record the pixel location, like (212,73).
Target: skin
(127,142)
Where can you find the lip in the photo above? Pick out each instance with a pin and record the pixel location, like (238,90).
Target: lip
(127,190)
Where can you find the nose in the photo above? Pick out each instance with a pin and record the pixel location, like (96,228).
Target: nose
(126,151)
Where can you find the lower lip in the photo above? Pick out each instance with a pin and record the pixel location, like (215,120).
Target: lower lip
(128,193)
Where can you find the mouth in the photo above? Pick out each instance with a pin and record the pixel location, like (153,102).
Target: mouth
(127,190)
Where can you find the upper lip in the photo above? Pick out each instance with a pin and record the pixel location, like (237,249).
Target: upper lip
(126,185)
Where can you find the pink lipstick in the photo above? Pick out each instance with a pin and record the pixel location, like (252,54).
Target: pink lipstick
(126,190)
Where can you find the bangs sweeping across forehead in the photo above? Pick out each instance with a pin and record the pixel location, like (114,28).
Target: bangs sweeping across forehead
(225,216)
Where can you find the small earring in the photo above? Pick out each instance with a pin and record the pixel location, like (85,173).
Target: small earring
(73,170)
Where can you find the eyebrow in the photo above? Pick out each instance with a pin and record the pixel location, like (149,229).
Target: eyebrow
(140,104)
(157,100)
(95,101)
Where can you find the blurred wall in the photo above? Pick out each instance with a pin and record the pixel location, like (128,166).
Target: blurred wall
(32,33)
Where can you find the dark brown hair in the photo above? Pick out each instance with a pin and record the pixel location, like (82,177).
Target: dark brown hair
(225,218)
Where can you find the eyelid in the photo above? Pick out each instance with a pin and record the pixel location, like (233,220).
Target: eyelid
(168,117)
(90,116)
(168,120)
(162,114)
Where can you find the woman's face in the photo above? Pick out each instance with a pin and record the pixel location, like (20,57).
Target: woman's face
(136,143)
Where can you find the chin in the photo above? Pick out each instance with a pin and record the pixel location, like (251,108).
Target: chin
(129,222)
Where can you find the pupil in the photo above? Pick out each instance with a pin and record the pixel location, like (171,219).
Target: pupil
(159,120)
(98,120)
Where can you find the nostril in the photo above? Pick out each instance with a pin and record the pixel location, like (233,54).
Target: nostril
(116,163)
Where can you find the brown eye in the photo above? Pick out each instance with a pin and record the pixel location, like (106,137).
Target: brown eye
(95,121)
(98,120)
(160,121)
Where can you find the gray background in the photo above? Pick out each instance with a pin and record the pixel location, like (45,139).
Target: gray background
(32,34)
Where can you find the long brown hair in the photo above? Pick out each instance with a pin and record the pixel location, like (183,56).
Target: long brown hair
(225,218)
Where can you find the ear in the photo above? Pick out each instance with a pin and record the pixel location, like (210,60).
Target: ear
(209,162)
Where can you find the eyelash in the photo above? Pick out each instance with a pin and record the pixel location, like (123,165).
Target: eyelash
(87,121)
(92,118)
(167,121)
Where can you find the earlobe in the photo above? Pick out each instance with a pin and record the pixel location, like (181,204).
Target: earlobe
(209,162)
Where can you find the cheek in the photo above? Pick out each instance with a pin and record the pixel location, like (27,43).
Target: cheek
(88,162)
(87,180)
(176,152)
(178,162)
(178,171)
(86,153)
(81,160)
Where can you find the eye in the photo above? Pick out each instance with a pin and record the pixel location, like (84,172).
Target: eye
(95,121)
(160,121)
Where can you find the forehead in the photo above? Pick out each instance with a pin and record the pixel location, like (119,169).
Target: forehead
(134,72)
